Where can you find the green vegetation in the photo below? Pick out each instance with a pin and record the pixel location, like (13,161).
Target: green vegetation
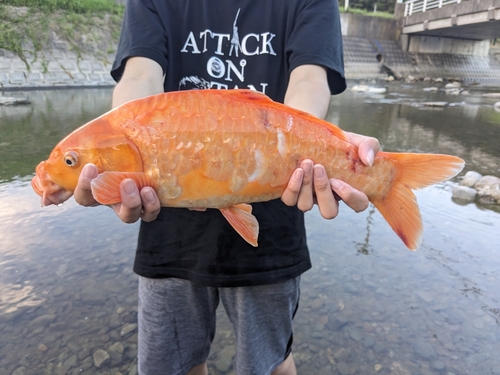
(367,13)
(27,25)
(386,6)
(76,6)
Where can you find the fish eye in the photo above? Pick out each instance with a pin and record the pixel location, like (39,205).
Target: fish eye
(71,159)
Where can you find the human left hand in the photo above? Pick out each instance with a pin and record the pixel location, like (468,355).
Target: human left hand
(310,185)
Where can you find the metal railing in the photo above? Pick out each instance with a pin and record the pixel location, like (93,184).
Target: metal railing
(418,6)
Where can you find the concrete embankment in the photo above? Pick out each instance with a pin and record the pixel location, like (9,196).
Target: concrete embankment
(371,51)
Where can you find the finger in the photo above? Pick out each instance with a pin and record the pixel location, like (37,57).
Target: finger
(367,147)
(291,193)
(150,204)
(367,150)
(57,198)
(83,193)
(355,199)
(130,208)
(327,204)
(305,200)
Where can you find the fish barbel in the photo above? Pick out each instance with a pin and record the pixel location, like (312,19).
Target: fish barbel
(224,149)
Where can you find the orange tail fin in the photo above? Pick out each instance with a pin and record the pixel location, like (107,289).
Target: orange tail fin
(414,171)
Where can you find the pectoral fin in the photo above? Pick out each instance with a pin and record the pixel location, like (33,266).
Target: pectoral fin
(241,219)
(106,187)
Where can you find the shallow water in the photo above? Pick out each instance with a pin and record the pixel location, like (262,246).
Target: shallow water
(68,294)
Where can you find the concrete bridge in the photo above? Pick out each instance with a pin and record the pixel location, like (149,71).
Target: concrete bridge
(449,26)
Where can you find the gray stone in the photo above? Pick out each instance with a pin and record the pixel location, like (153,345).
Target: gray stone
(98,67)
(127,328)
(69,66)
(95,77)
(4,78)
(17,78)
(470,178)
(224,358)
(424,349)
(85,66)
(54,66)
(343,368)
(464,193)
(489,194)
(42,320)
(368,342)
(100,357)
(486,181)
(8,100)
(115,352)
(19,371)
(34,78)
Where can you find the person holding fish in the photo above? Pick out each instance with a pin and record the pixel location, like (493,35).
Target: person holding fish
(190,259)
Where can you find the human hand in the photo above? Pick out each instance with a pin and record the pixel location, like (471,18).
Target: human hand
(309,183)
(134,204)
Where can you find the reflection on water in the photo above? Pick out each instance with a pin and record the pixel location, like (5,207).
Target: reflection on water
(68,294)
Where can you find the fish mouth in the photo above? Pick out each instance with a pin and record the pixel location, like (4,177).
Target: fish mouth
(50,192)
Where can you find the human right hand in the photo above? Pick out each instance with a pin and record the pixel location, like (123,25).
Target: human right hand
(134,204)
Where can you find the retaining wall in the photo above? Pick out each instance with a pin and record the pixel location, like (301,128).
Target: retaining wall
(370,51)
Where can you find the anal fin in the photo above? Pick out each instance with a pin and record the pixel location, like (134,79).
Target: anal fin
(244,223)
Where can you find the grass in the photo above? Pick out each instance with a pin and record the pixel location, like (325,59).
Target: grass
(367,13)
(26,24)
(76,6)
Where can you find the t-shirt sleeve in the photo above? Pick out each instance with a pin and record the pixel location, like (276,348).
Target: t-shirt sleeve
(142,34)
(316,38)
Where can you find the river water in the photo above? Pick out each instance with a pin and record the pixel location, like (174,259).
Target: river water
(369,306)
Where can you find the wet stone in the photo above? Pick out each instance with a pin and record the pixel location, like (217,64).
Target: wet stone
(19,371)
(127,328)
(115,352)
(424,349)
(224,358)
(464,193)
(100,357)
(368,342)
(470,178)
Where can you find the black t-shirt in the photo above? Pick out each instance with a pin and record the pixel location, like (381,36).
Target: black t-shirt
(229,44)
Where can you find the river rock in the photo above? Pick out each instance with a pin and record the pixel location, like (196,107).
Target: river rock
(398,369)
(8,100)
(489,194)
(492,95)
(115,351)
(101,357)
(224,358)
(486,181)
(464,193)
(127,328)
(424,349)
(470,178)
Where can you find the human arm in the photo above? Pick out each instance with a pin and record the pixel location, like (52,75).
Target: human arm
(308,90)
(141,77)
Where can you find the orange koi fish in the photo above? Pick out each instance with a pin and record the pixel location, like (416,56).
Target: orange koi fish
(224,149)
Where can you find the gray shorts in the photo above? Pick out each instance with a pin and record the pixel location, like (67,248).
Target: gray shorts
(177,324)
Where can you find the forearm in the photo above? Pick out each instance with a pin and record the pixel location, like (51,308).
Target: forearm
(308,90)
(142,77)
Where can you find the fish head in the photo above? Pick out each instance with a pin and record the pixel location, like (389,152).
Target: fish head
(96,142)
